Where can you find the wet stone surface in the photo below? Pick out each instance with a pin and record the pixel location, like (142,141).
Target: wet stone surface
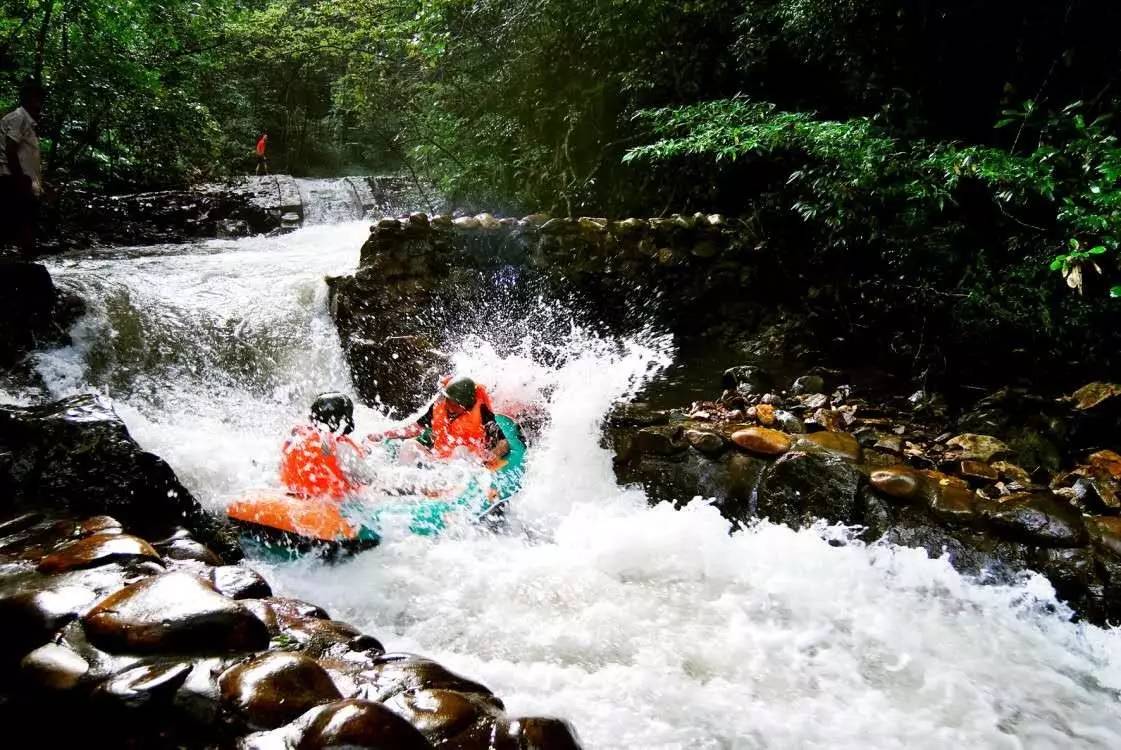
(133,655)
(1016,482)
(174,612)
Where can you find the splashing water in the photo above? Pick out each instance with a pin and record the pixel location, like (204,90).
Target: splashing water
(648,627)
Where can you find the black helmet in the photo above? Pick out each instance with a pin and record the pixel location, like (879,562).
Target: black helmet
(461,391)
(333,410)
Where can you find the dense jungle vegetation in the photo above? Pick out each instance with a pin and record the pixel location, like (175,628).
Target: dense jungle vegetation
(964,156)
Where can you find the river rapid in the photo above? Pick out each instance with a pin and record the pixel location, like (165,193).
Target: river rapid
(647,627)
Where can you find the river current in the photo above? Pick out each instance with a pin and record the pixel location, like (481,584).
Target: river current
(647,627)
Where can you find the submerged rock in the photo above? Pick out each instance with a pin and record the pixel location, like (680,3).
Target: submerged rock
(173,612)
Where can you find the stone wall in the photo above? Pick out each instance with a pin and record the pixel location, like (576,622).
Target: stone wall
(419,276)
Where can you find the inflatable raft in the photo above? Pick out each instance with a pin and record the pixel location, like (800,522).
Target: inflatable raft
(280,525)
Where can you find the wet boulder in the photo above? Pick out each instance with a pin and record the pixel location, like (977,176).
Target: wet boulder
(536,732)
(441,715)
(188,550)
(31,618)
(176,613)
(899,482)
(1041,519)
(53,667)
(238,582)
(144,685)
(747,380)
(99,549)
(78,454)
(800,486)
(838,443)
(762,441)
(396,673)
(357,724)
(32,310)
(275,688)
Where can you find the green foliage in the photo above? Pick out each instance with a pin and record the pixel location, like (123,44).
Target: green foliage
(848,174)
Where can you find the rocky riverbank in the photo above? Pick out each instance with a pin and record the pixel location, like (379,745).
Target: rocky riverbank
(1016,482)
(162,641)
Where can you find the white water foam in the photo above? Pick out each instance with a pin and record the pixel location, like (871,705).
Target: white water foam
(647,627)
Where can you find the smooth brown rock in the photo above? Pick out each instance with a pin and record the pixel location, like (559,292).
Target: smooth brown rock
(1108,462)
(954,503)
(100,525)
(708,443)
(978,470)
(901,482)
(361,725)
(173,612)
(443,714)
(286,608)
(141,685)
(54,667)
(238,582)
(98,549)
(1105,533)
(1041,519)
(30,618)
(762,441)
(396,673)
(264,612)
(275,688)
(840,443)
(189,550)
(971,446)
(544,732)
(1010,472)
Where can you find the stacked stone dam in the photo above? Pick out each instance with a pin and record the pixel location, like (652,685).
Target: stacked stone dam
(162,641)
(420,277)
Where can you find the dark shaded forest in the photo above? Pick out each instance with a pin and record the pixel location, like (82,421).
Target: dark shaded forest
(956,162)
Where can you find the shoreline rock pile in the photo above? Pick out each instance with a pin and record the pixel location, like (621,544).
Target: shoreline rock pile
(160,644)
(1042,493)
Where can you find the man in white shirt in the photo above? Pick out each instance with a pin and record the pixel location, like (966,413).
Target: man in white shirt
(21,173)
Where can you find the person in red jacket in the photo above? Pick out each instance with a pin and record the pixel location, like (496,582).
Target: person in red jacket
(319,459)
(262,155)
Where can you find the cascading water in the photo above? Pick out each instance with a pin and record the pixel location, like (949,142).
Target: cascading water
(329,201)
(648,627)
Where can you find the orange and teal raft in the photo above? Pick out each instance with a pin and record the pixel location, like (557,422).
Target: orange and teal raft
(279,525)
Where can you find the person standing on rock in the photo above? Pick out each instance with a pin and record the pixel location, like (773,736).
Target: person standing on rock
(21,176)
(262,157)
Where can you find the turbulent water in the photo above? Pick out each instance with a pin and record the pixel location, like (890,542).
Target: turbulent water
(645,626)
